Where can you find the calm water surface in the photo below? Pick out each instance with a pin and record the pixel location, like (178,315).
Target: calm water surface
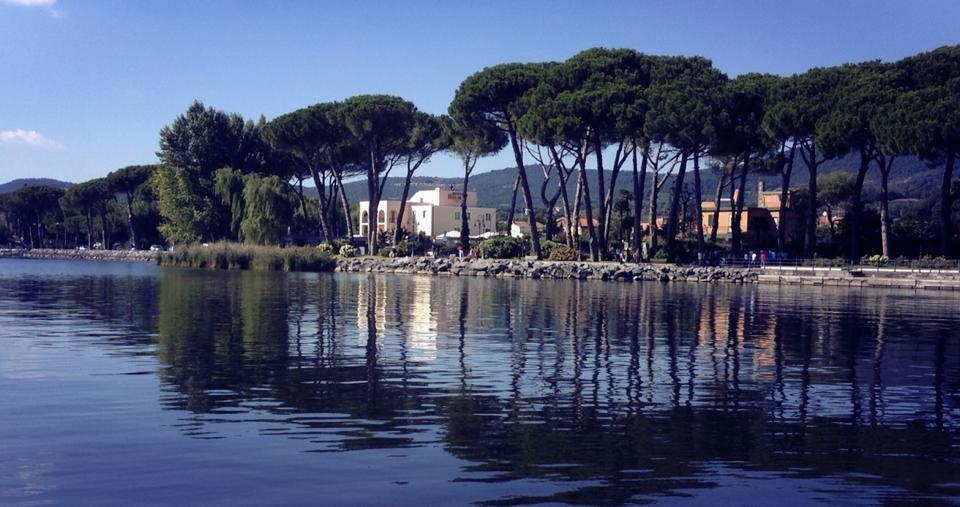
(125,383)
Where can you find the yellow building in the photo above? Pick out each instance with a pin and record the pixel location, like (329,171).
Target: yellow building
(431,212)
(758,223)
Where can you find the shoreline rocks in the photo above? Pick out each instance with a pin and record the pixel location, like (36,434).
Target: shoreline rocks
(90,255)
(515,268)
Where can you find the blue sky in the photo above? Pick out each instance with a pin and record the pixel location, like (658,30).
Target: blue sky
(86,85)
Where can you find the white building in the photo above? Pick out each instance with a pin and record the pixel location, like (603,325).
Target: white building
(431,212)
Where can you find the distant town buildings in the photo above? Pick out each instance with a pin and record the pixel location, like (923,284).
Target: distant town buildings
(758,223)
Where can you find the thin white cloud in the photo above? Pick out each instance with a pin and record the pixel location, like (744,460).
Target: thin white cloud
(31,3)
(49,5)
(30,138)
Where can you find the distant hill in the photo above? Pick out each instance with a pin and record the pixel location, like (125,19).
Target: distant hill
(13,185)
(911,179)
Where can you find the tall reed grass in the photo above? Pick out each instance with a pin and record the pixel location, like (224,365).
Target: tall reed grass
(225,255)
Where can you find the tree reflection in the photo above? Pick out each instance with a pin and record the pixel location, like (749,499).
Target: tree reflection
(635,387)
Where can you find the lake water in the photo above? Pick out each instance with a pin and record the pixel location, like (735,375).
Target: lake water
(129,384)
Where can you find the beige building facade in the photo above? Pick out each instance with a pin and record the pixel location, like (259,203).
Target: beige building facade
(431,212)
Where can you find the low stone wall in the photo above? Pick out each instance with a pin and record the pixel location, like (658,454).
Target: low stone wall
(90,255)
(547,269)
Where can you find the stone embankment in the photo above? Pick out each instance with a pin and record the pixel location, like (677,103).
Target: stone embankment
(89,255)
(547,269)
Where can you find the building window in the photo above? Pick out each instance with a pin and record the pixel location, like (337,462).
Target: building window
(424,213)
(364,217)
(456,215)
(487,217)
(468,215)
(381,216)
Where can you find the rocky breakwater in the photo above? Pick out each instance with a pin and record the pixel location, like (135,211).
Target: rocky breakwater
(546,269)
(89,255)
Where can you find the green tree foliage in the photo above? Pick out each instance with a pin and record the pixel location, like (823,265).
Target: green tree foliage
(381,126)
(685,103)
(203,140)
(924,119)
(187,216)
(268,210)
(34,203)
(470,143)
(493,96)
(126,181)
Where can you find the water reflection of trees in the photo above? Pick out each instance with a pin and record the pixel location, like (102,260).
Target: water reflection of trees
(635,387)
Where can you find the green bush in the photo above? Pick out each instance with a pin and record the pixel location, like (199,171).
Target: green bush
(501,247)
(386,251)
(563,253)
(402,249)
(325,248)
(347,251)
(546,247)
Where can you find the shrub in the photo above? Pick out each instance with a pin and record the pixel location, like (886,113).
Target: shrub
(325,248)
(386,251)
(546,247)
(563,253)
(501,247)
(402,249)
(347,251)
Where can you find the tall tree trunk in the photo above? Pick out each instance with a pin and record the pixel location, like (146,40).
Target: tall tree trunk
(715,219)
(585,196)
(654,196)
(601,196)
(562,179)
(344,202)
(373,181)
(513,202)
(321,203)
(885,165)
(737,198)
(398,224)
(946,204)
(810,235)
(464,223)
(856,205)
(133,233)
(527,197)
(574,221)
(639,180)
(785,173)
(697,200)
(103,230)
(672,225)
(89,230)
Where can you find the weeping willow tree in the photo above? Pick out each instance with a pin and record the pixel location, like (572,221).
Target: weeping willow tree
(268,209)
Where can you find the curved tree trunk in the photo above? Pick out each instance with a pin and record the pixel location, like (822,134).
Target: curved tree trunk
(527,197)
(344,202)
(856,206)
(513,202)
(601,196)
(398,224)
(946,204)
(321,203)
(737,198)
(464,223)
(810,234)
(785,173)
(585,196)
(715,218)
(697,206)
(639,180)
(133,233)
(885,166)
(672,225)
(654,196)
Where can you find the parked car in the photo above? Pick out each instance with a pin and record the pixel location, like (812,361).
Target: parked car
(156,248)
